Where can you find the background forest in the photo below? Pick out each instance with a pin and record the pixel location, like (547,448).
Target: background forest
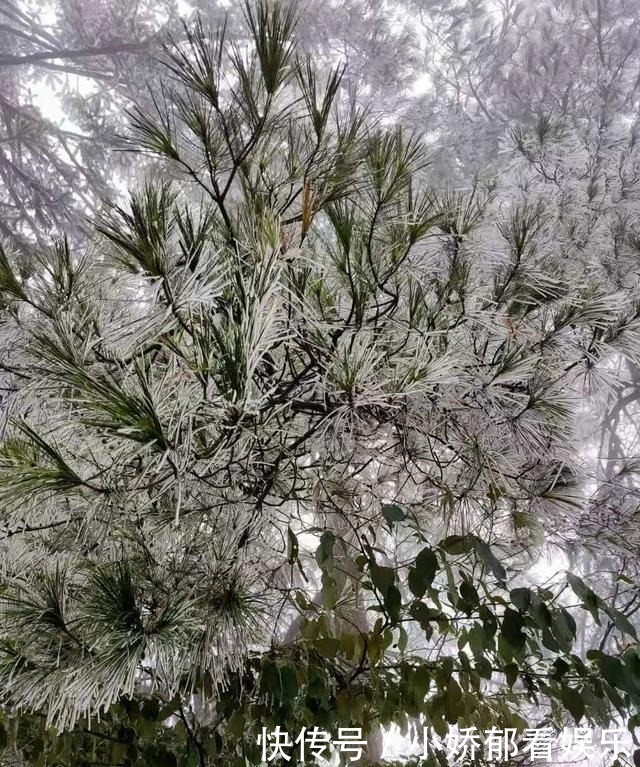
(320,360)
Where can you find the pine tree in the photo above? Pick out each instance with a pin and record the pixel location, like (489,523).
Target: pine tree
(283,425)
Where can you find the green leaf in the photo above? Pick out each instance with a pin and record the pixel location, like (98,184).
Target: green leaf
(393,602)
(236,725)
(8,281)
(613,671)
(505,649)
(288,682)
(573,702)
(469,593)
(392,514)
(489,622)
(454,704)
(489,560)
(272,27)
(563,627)
(512,625)
(427,565)
(578,585)
(293,547)
(421,576)
(521,598)
(424,615)
(540,612)
(620,621)
(561,667)
(590,600)
(549,641)
(165,758)
(329,590)
(483,666)
(476,639)
(421,679)
(324,552)
(382,577)
(416,583)
(439,726)
(327,646)
(457,544)
(511,673)
(374,645)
